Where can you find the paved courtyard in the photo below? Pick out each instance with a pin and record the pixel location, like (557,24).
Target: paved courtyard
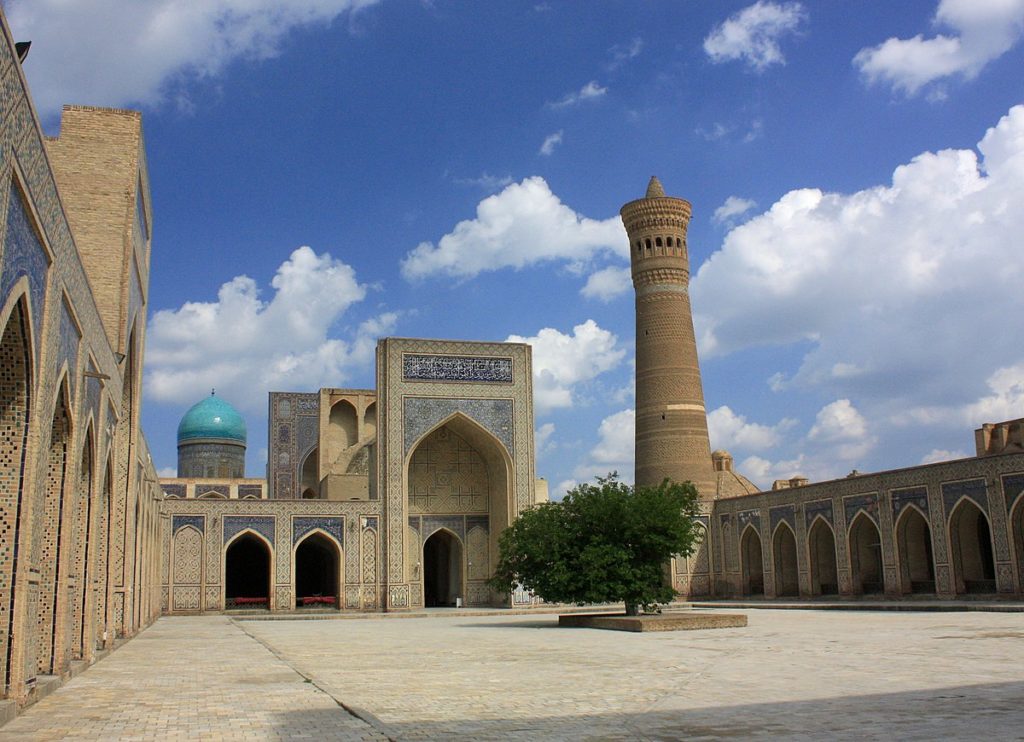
(789,674)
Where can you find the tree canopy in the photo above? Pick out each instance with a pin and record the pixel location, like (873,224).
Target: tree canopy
(604,542)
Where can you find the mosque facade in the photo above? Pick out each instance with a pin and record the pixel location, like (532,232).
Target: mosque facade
(384,499)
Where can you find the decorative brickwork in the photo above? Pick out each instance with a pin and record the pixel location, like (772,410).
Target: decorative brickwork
(456,368)
(495,415)
(24,255)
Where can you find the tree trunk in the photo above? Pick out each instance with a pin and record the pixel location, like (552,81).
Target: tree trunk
(632,609)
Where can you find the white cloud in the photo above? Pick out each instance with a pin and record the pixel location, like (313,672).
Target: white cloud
(753,34)
(841,429)
(167,472)
(245,346)
(983,31)
(1003,400)
(728,430)
(589,92)
(561,361)
(608,283)
(622,53)
(542,437)
(904,293)
(523,225)
(486,181)
(763,472)
(550,142)
(937,454)
(112,53)
(733,207)
(614,450)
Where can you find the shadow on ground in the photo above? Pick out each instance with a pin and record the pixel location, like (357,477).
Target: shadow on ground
(989,711)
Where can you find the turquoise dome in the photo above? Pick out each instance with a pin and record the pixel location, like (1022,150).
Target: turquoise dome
(212,418)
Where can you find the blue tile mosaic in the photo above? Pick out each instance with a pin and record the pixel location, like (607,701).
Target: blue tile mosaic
(1013,487)
(69,342)
(867,503)
(912,496)
(372,522)
(196,521)
(423,413)
(334,525)
(24,256)
(220,489)
(433,523)
(785,513)
(819,507)
(972,488)
(749,516)
(456,368)
(473,521)
(249,490)
(173,490)
(262,524)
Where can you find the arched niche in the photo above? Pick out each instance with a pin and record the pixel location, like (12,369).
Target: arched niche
(971,549)
(83,543)
(914,547)
(318,564)
(459,468)
(343,431)
(821,546)
(443,570)
(247,577)
(787,576)
(310,477)
(56,490)
(866,555)
(370,420)
(693,573)
(15,406)
(752,562)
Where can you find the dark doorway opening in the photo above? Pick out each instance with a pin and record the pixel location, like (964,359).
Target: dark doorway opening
(316,573)
(442,570)
(824,575)
(247,574)
(753,563)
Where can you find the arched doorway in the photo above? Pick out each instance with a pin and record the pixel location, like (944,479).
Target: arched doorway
(914,541)
(83,545)
(316,573)
(247,573)
(866,556)
(752,562)
(787,578)
(15,398)
(1017,534)
(442,570)
(821,543)
(459,472)
(971,541)
(310,480)
(53,537)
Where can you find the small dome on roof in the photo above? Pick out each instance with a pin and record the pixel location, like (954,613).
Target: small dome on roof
(212,418)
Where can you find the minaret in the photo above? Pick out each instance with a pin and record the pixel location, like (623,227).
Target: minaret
(671,423)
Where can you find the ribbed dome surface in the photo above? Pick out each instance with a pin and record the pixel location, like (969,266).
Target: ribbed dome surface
(212,418)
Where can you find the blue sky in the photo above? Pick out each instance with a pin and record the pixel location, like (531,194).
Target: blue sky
(328,171)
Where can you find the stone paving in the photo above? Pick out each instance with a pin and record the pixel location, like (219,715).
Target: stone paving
(789,674)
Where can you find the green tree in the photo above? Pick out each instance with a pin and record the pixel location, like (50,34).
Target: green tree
(604,542)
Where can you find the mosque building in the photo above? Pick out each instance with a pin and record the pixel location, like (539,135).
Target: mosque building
(384,499)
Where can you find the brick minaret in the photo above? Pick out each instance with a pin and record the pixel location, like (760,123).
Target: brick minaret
(671,423)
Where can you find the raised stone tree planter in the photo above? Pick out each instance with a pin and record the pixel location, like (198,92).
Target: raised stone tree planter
(653,621)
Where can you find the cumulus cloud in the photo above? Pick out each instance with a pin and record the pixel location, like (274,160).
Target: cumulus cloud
(550,142)
(522,225)
(113,53)
(752,35)
(589,92)
(900,291)
(728,430)
(542,437)
(733,207)
(246,346)
(614,450)
(842,430)
(562,361)
(982,30)
(608,284)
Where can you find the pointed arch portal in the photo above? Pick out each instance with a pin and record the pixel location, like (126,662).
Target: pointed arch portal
(247,573)
(914,541)
(971,539)
(787,578)
(442,570)
(316,572)
(822,545)
(866,555)
(753,563)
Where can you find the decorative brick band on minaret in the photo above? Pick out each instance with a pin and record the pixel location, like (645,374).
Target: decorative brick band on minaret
(671,422)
